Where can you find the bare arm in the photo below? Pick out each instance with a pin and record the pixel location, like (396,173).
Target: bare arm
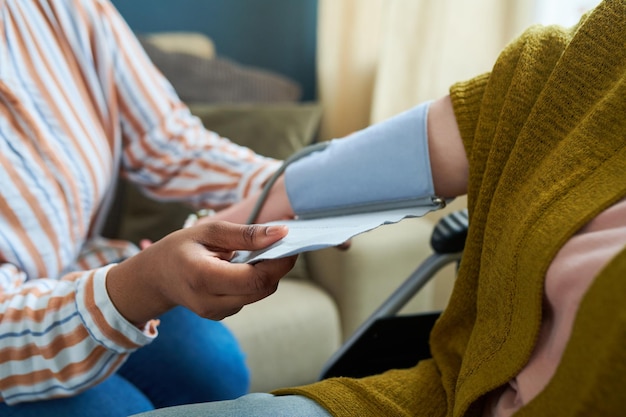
(448,161)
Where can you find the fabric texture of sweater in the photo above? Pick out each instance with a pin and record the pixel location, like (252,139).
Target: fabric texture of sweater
(545,134)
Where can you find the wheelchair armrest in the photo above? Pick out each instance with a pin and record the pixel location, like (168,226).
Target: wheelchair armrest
(382,341)
(450,233)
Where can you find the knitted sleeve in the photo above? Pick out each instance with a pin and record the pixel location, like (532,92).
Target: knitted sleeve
(401,393)
(544,135)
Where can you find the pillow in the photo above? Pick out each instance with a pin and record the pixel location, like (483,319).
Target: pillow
(210,80)
(194,43)
(274,130)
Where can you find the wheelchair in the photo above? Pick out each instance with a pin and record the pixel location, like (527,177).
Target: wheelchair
(387,340)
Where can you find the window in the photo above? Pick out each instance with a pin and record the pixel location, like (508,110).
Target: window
(562,12)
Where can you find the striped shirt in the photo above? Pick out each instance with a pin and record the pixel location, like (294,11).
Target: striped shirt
(79,102)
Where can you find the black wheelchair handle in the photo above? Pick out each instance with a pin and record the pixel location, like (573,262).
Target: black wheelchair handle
(450,233)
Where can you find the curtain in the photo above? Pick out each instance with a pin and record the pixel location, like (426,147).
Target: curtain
(379,57)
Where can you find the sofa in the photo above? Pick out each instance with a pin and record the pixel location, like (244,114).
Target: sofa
(289,336)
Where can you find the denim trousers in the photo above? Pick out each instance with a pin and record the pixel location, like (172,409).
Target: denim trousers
(251,405)
(192,360)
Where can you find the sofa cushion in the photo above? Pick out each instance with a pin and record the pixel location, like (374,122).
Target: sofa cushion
(194,43)
(217,79)
(276,130)
(288,336)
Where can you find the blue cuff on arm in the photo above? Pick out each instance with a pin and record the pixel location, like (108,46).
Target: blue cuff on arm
(384,166)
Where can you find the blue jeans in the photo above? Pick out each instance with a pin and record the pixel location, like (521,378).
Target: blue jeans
(192,360)
(251,405)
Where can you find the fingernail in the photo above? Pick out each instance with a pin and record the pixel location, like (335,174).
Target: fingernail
(274,230)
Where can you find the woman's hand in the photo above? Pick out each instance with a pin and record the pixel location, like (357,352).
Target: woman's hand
(191,267)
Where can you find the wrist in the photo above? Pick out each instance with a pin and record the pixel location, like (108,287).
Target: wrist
(138,300)
(277,205)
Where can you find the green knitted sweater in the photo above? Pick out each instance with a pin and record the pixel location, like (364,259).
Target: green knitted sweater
(545,134)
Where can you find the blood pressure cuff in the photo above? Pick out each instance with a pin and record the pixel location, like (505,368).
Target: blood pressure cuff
(382,167)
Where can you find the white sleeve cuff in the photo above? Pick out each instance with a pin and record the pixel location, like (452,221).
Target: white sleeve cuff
(105,324)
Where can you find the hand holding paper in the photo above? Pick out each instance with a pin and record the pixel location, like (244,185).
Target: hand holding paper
(315,234)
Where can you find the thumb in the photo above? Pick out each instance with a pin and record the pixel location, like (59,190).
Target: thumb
(226,236)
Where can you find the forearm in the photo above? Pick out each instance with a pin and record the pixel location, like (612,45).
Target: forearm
(448,160)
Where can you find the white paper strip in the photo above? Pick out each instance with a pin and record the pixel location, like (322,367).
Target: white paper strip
(315,234)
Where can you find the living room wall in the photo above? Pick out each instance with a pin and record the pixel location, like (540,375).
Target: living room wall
(278,35)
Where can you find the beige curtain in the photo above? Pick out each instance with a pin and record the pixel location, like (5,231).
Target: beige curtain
(379,57)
